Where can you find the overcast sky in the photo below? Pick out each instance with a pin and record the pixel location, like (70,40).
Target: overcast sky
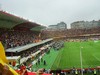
(50,12)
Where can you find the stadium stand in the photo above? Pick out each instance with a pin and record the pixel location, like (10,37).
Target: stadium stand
(14,31)
(69,34)
(22,42)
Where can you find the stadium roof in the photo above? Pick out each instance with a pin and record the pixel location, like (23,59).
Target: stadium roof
(14,22)
(37,28)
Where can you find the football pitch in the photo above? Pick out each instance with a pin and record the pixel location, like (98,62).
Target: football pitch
(73,54)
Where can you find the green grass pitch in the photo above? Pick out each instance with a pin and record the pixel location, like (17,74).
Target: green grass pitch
(69,56)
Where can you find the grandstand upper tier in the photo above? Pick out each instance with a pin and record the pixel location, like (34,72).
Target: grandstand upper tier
(16,31)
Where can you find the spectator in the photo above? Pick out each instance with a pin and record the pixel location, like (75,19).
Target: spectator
(76,72)
(44,62)
(95,73)
(4,70)
(40,72)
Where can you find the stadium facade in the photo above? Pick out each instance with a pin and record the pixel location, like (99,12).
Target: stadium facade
(61,26)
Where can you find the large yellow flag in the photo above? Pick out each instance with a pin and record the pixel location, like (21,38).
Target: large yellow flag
(4,61)
(2,53)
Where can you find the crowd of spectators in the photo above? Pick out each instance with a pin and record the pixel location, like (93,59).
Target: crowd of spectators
(58,45)
(76,32)
(70,32)
(12,38)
